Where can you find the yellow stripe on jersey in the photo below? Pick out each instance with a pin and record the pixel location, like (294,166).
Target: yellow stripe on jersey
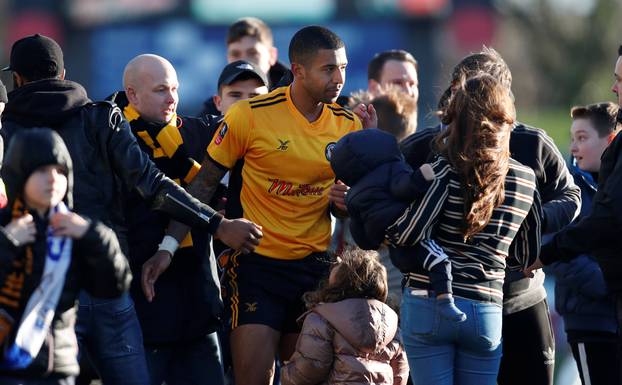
(286,174)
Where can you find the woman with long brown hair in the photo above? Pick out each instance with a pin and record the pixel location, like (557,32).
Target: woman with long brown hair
(478,213)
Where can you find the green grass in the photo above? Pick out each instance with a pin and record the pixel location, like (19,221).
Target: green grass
(556,123)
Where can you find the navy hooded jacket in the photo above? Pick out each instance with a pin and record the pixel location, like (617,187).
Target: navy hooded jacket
(382,184)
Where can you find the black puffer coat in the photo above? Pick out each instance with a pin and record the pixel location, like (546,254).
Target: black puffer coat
(382,184)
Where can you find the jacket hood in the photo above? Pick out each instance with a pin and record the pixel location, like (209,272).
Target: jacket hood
(45,103)
(120,99)
(29,150)
(367,324)
(359,152)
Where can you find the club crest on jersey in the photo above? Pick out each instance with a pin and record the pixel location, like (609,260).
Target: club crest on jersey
(283,144)
(328,151)
(221,134)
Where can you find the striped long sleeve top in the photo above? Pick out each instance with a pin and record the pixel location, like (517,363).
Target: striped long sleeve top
(434,224)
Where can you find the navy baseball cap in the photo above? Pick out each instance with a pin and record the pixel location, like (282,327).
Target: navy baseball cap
(234,70)
(36,56)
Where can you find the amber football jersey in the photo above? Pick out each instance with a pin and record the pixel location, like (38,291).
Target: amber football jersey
(286,174)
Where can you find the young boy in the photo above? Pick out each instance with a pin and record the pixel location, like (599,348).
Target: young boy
(580,292)
(239,80)
(47,254)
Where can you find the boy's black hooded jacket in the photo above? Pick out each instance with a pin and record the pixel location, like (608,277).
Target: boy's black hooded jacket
(97,264)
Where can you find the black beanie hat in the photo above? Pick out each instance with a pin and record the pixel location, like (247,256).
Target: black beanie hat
(28,150)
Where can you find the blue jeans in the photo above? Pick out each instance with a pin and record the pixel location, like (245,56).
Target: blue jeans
(109,332)
(442,352)
(186,363)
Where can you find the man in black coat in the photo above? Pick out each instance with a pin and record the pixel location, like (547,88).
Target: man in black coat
(107,162)
(180,314)
(599,232)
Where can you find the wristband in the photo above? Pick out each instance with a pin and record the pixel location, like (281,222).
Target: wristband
(169,244)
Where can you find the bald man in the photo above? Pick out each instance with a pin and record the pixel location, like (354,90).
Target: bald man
(180,312)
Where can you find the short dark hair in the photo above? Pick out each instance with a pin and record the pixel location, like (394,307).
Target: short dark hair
(601,115)
(620,50)
(250,26)
(307,41)
(374,68)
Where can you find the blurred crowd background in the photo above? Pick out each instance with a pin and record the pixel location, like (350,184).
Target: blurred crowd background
(561,52)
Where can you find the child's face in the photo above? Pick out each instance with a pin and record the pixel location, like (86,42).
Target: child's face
(586,146)
(45,187)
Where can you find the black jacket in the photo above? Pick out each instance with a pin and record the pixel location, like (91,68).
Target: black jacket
(105,154)
(581,296)
(187,305)
(599,232)
(559,196)
(382,185)
(97,264)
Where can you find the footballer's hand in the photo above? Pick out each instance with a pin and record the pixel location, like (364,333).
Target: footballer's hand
(239,234)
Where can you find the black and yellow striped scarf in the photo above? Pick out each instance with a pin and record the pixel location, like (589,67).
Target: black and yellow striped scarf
(16,276)
(168,151)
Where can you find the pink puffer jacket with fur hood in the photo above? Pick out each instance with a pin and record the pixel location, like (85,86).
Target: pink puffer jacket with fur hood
(354,341)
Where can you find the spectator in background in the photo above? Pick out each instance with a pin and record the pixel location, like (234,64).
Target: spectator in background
(239,80)
(394,67)
(581,296)
(250,39)
(106,159)
(178,315)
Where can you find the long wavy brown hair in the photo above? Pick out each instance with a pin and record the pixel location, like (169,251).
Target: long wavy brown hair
(357,274)
(479,117)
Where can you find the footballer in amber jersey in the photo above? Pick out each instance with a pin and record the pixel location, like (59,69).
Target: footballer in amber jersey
(286,174)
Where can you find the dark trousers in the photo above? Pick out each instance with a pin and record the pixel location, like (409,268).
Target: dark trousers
(596,355)
(619,313)
(528,347)
(196,362)
(109,334)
